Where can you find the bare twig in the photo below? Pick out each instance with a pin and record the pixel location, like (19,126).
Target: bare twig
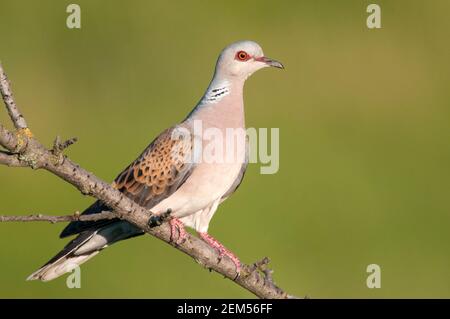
(5,89)
(59,147)
(58,219)
(30,152)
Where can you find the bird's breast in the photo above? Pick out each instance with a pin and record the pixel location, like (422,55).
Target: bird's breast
(221,154)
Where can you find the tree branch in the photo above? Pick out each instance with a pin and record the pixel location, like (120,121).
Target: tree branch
(5,89)
(59,147)
(58,219)
(10,159)
(27,151)
(7,139)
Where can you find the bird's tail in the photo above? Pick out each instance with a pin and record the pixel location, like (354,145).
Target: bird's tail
(85,246)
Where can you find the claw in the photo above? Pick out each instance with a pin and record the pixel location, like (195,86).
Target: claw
(222,251)
(177,226)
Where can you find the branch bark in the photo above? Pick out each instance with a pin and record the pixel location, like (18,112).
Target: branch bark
(58,219)
(25,150)
(14,113)
(11,160)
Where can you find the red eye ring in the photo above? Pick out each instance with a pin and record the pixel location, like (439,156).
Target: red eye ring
(242,56)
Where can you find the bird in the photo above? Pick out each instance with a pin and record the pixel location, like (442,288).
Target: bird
(183,172)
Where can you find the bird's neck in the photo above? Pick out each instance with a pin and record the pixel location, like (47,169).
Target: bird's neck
(216,91)
(222,104)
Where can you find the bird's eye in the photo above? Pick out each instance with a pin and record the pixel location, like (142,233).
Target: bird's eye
(242,56)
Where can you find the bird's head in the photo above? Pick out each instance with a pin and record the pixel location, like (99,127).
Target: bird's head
(241,59)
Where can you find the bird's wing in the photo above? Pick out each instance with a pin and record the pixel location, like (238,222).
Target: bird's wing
(155,175)
(240,177)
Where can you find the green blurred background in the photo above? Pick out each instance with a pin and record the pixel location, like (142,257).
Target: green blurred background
(364,126)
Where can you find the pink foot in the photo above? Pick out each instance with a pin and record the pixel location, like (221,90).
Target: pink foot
(176,226)
(221,249)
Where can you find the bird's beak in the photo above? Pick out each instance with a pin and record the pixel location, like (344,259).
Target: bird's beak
(270,62)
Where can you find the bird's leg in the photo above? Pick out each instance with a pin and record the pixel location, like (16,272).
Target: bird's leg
(221,249)
(177,225)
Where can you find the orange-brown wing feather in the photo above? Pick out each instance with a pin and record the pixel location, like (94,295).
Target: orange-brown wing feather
(159,171)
